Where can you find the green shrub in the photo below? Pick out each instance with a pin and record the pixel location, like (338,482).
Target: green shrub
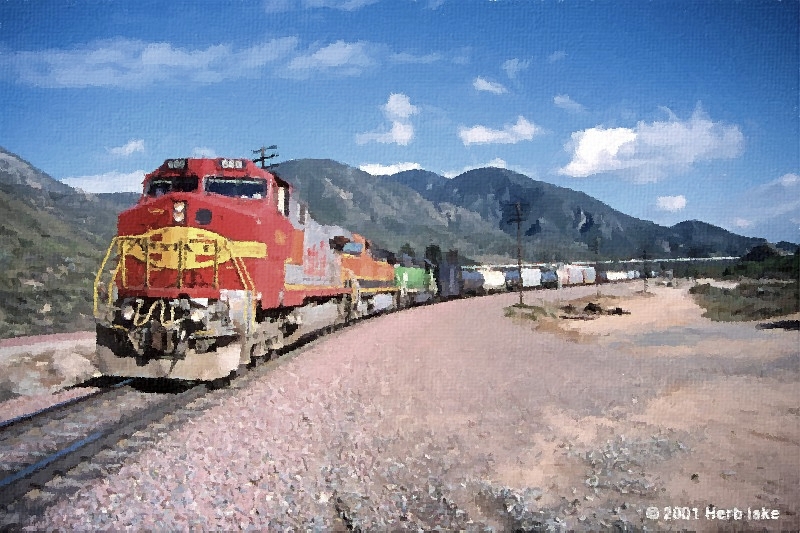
(748,301)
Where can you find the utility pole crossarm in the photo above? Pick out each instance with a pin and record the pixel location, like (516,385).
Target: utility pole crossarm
(264,156)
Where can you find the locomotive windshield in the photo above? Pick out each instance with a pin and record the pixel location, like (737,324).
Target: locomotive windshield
(162,186)
(237,188)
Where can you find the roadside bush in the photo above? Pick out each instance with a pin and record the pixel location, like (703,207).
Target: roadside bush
(748,301)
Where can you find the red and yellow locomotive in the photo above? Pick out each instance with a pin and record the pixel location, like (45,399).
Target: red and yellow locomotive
(218,263)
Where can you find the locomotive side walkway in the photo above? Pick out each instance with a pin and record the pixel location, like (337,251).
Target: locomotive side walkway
(459,416)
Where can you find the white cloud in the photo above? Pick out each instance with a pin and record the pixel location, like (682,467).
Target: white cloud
(671,203)
(401,133)
(648,152)
(557,56)
(347,59)
(522,130)
(108,182)
(597,150)
(789,180)
(776,198)
(387,170)
(482,84)
(512,67)
(398,109)
(742,222)
(496,163)
(133,64)
(131,147)
(565,102)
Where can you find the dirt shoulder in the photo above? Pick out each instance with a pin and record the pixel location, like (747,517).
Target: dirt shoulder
(702,413)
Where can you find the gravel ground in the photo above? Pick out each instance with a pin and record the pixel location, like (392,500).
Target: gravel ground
(456,416)
(36,372)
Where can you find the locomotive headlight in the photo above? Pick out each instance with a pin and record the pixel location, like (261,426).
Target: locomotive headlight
(179,211)
(127,312)
(197,315)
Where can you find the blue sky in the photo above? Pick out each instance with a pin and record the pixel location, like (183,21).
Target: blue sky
(665,110)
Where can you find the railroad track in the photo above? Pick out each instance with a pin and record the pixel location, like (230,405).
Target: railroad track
(57,450)
(38,450)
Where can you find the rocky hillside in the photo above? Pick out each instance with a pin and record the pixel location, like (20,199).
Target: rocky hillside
(476,212)
(390,213)
(53,238)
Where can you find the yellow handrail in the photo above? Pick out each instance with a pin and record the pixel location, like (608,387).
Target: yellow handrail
(247,284)
(122,244)
(99,275)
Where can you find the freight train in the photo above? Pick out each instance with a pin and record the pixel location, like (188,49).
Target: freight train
(218,264)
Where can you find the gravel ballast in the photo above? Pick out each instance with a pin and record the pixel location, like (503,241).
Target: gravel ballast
(458,417)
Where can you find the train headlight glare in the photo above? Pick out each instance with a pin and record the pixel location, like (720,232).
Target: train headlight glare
(127,312)
(178,216)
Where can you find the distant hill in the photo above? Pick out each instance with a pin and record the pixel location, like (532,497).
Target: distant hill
(390,213)
(120,201)
(700,239)
(787,247)
(474,213)
(53,236)
(421,181)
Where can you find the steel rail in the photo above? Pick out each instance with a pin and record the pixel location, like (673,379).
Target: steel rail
(16,485)
(61,405)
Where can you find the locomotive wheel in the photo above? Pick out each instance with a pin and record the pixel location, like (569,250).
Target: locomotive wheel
(395,301)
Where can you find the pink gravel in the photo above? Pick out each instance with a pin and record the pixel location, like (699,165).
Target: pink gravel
(420,407)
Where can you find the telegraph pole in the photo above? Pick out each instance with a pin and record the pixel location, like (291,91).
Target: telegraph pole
(518,217)
(597,262)
(644,268)
(264,155)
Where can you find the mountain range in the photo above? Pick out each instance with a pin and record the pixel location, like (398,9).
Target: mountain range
(477,213)
(53,237)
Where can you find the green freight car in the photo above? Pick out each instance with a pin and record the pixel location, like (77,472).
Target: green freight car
(416,280)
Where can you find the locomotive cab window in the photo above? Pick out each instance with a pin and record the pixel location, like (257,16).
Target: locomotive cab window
(251,188)
(162,186)
(353,248)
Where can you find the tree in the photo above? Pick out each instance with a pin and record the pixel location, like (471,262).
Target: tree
(408,250)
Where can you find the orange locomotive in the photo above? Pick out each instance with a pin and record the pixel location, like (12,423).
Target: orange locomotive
(218,263)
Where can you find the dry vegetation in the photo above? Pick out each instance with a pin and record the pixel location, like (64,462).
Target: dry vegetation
(750,300)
